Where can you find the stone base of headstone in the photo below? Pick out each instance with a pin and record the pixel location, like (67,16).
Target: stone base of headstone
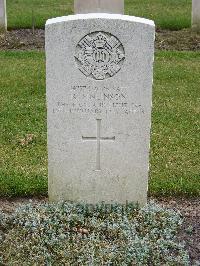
(196,15)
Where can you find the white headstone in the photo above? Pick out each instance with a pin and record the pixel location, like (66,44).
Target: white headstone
(3,18)
(99,94)
(196,15)
(99,6)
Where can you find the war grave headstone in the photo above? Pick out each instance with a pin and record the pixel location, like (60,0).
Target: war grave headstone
(196,15)
(99,6)
(3,17)
(99,71)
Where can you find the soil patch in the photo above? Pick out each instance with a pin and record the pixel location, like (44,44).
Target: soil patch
(182,40)
(189,208)
(24,39)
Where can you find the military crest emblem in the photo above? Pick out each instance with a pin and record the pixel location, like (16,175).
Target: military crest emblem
(99,55)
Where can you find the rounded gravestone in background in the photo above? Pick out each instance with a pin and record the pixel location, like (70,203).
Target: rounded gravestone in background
(99,55)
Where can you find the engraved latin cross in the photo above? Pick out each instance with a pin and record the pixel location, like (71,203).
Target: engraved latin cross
(98,139)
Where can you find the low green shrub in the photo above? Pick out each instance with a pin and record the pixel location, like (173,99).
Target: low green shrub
(81,234)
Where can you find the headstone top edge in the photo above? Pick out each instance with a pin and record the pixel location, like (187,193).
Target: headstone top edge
(100,16)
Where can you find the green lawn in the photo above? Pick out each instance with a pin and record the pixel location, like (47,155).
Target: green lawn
(168,14)
(22,97)
(175,145)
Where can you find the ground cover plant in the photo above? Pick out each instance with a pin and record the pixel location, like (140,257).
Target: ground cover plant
(81,234)
(175,160)
(168,14)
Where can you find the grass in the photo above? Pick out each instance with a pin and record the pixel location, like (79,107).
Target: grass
(175,144)
(22,12)
(22,83)
(168,14)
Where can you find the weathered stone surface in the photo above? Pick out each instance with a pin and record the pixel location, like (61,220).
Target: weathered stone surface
(3,18)
(196,15)
(99,93)
(99,6)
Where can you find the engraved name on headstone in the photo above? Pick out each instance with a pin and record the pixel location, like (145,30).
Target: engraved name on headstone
(3,17)
(99,6)
(99,94)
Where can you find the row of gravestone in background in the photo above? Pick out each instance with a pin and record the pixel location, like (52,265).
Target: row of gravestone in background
(102,6)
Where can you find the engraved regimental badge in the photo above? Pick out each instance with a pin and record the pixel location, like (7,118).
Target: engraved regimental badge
(99,55)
